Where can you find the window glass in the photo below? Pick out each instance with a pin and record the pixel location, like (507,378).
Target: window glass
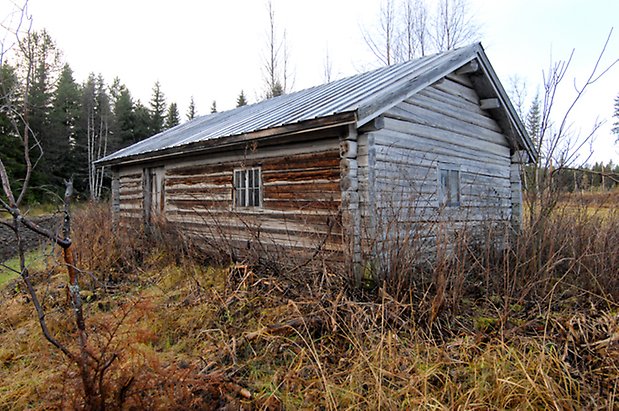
(247,187)
(449,187)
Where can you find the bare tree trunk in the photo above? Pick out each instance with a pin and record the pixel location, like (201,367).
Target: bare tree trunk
(89,366)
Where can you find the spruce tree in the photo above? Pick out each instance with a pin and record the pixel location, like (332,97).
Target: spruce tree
(533,120)
(42,58)
(142,126)
(157,109)
(214,107)
(241,100)
(123,125)
(11,146)
(64,121)
(191,111)
(276,90)
(172,118)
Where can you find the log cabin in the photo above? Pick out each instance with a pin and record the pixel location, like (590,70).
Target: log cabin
(350,167)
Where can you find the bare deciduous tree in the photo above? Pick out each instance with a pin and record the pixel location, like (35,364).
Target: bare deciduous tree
(454,25)
(382,43)
(327,68)
(90,365)
(407,29)
(97,132)
(518,93)
(558,144)
(276,66)
(415,39)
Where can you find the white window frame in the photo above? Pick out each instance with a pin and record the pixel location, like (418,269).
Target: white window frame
(247,184)
(449,185)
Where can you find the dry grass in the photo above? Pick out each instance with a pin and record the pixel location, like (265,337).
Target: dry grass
(533,325)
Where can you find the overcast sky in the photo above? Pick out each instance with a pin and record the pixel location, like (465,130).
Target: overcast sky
(214,49)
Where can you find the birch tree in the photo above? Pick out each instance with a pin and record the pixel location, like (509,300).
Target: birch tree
(383,40)
(407,29)
(454,25)
(96,116)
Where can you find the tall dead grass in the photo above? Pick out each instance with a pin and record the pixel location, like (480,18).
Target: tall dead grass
(530,323)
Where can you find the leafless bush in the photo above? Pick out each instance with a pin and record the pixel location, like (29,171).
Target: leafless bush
(227,237)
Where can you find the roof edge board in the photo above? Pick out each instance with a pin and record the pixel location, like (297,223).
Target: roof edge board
(202,146)
(413,86)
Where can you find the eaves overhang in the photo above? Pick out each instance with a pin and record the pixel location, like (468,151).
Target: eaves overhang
(201,147)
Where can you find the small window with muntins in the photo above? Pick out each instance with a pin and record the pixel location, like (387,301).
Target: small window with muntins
(247,187)
(449,186)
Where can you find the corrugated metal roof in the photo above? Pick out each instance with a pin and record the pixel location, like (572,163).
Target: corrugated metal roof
(352,94)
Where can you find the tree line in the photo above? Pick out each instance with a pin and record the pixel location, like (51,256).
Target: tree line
(71,124)
(567,174)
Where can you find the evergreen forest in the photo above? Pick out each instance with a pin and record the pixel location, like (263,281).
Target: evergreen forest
(74,122)
(71,122)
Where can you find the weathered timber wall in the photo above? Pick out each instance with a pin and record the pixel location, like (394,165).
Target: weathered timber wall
(130,195)
(442,124)
(300,202)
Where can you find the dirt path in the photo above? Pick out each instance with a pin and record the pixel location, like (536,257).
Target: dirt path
(32,239)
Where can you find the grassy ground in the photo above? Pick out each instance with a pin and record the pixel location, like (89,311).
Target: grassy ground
(540,331)
(35,260)
(6,276)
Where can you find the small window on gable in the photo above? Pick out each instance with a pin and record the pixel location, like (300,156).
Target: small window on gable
(448,186)
(247,187)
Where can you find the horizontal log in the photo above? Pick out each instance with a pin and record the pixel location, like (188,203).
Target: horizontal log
(399,165)
(301,195)
(201,203)
(332,174)
(301,205)
(254,224)
(458,88)
(436,121)
(312,217)
(200,169)
(467,104)
(207,179)
(458,140)
(450,110)
(328,159)
(301,186)
(459,79)
(130,176)
(198,192)
(258,238)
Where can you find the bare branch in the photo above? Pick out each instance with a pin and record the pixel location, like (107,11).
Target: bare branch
(6,267)
(4,223)
(6,187)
